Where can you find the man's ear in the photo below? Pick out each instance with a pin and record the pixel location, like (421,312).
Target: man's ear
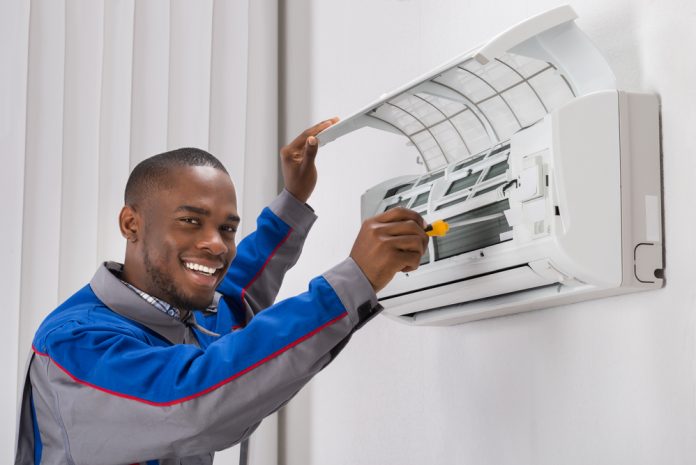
(129,223)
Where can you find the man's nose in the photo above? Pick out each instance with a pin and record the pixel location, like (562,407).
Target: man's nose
(213,242)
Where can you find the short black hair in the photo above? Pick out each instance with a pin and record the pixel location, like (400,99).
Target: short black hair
(150,174)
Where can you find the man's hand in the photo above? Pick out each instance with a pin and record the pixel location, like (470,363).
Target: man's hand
(388,243)
(297,161)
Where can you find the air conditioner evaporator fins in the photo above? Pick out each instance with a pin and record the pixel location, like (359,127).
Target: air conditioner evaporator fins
(548,175)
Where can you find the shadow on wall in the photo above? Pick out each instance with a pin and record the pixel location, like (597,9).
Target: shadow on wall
(614,29)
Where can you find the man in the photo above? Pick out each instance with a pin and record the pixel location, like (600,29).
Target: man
(149,364)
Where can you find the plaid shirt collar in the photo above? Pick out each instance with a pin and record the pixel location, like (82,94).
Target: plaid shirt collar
(165,307)
(159,304)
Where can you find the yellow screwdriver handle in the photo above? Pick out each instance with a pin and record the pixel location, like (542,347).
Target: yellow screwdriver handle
(437,228)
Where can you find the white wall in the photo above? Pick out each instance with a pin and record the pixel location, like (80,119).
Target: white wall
(603,382)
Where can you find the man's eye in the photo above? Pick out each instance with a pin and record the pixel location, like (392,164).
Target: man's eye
(190,220)
(229,229)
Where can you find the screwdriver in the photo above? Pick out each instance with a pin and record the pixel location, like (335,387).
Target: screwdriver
(439,228)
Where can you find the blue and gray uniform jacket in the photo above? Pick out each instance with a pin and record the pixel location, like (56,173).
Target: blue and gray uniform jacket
(111,380)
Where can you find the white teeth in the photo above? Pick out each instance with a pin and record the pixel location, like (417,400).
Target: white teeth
(199,267)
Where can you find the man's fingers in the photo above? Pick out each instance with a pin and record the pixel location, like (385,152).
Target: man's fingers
(300,140)
(403,227)
(411,260)
(388,243)
(409,244)
(317,128)
(299,171)
(407,228)
(309,151)
(400,214)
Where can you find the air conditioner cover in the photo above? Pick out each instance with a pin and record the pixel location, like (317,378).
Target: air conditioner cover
(548,174)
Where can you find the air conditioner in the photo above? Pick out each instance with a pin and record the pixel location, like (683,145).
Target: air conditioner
(548,175)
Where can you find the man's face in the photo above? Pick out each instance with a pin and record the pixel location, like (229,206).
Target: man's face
(186,238)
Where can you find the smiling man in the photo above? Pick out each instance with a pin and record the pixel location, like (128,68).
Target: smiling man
(181,351)
(180,219)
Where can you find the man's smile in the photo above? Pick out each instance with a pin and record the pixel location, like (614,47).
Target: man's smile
(206,275)
(201,267)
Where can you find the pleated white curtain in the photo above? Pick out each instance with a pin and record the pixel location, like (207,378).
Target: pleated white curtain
(91,87)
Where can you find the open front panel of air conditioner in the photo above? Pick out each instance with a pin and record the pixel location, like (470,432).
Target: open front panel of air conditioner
(548,175)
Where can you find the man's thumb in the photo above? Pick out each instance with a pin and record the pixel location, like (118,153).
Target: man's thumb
(311,148)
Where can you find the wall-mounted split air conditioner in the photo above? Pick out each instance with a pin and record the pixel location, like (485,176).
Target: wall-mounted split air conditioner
(548,175)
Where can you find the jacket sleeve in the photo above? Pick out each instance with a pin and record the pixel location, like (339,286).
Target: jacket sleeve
(263,257)
(121,399)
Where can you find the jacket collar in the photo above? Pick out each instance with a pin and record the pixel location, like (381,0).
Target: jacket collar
(109,289)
